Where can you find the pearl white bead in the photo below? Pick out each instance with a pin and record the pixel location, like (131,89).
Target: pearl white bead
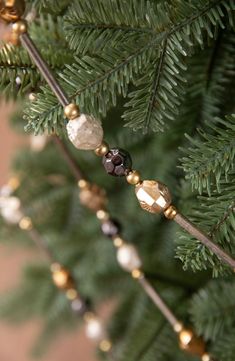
(85,132)
(10,210)
(38,142)
(94,330)
(128,257)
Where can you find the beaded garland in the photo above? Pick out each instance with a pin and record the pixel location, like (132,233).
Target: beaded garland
(86,132)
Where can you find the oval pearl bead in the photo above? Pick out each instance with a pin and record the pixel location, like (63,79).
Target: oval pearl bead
(85,132)
(10,210)
(128,257)
(95,330)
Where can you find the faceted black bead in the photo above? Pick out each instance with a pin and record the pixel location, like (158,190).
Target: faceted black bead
(111,228)
(117,162)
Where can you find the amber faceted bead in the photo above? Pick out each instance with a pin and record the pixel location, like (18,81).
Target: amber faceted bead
(117,162)
(61,277)
(11,10)
(189,342)
(153,196)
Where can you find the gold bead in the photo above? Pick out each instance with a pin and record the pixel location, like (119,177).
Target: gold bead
(71,111)
(133,177)
(178,327)
(71,294)
(102,149)
(93,197)
(137,274)
(102,215)
(170,212)
(11,10)
(105,346)
(153,196)
(14,183)
(82,183)
(26,224)
(89,316)
(19,27)
(191,343)
(61,277)
(118,241)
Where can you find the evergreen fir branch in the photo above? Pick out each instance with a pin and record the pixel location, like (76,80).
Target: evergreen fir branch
(51,6)
(216,216)
(211,156)
(218,297)
(224,348)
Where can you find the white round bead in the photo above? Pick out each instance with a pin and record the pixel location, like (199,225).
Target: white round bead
(10,210)
(85,132)
(94,330)
(128,257)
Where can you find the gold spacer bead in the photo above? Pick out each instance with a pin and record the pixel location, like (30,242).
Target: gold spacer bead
(206,357)
(178,327)
(105,346)
(137,274)
(133,177)
(102,215)
(82,183)
(26,224)
(71,294)
(71,111)
(14,183)
(170,212)
(102,149)
(118,241)
(19,27)
(88,316)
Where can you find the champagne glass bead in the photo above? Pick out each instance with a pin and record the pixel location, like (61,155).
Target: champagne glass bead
(11,210)
(128,257)
(117,162)
(94,329)
(153,196)
(85,132)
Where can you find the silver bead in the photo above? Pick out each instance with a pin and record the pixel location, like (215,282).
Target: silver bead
(85,132)
(94,329)
(128,257)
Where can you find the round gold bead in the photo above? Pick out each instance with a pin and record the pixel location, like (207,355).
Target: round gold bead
(118,241)
(137,274)
(206,357)
(82,183)
(26,224)
(133,177)
(102,215)
(14,183)
(19,27)
(170,212)
(105,345)
(71,111)
(71,294)
(102,149)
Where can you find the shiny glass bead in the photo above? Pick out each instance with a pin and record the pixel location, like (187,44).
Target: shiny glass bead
(117,162)
(153,196)
(111,228)
(85,132)
(94,329)
(128,257)
(11,210)
(191,343)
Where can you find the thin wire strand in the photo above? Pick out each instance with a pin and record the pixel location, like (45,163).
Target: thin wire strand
(194,231)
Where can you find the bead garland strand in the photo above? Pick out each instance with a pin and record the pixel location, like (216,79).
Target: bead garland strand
(94,198)
(86,132)
(12,212)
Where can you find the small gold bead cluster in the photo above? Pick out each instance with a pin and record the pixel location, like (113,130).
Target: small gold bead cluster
(63,280)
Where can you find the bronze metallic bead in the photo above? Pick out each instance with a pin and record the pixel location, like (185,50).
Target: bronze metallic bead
(105,346)
(170,212)
(93,197)
(19,27)
(11,10)
(133,177)
(191,343)
(102,149)
(71,111)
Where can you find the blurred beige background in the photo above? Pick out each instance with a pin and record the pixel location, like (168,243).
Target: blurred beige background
(16,341)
